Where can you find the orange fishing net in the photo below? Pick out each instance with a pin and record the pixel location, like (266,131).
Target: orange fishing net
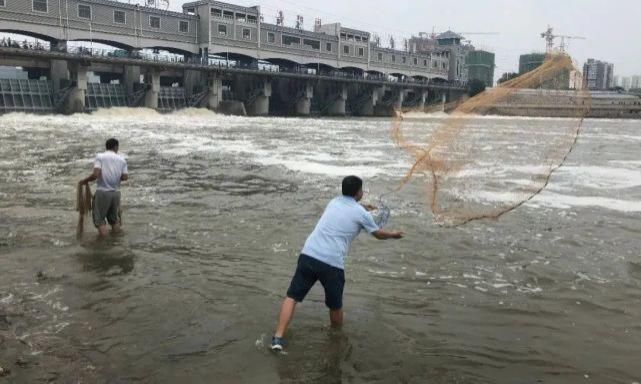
(474,167)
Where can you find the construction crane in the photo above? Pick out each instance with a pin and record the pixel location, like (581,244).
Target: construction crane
(549,37)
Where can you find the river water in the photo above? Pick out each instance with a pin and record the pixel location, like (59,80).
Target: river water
(216,212)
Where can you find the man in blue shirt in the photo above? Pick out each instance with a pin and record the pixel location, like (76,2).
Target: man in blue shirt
(323,256)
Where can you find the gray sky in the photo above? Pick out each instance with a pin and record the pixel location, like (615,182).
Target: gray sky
(612,27)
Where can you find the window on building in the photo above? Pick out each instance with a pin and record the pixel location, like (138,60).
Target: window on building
(2,4)
(346,49)
(393,58)
(380,56)
(358,38)
(216,12)
(361,52)
(313,44)
(271,37)
(154,22)
(443,65)
(190,11)
(365,39)
(290,40)
(222,30)
(241,17)
(183,26)
(247,33)
(120,17)
(343,36)
(404,60)
(251,19)
(415,61)
(84,11)
(40,6)
(435,65)
(328,47)
(425,63)
(228,15)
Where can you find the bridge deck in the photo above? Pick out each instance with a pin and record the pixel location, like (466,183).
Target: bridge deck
(8,56)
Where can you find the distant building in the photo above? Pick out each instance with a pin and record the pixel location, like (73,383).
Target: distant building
(530,62)
(448,44)
(480,66)
(635,82)
(563,80)
(576,80)
(598,75)
(626,82)
(617,81)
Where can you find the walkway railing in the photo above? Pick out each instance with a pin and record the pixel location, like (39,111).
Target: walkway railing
(225,64)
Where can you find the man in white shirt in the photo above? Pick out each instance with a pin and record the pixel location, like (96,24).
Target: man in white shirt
(109,169)
(323,256)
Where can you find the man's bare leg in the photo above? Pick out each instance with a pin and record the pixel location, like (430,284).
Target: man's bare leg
(336,318)
(115,229)
(286,315)
(102,230)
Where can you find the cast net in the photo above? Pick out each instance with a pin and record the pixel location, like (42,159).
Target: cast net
(481,167)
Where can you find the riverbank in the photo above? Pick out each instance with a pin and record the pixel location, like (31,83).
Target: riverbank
(570,104)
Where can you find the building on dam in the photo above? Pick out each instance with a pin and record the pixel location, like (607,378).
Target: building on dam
(219,55)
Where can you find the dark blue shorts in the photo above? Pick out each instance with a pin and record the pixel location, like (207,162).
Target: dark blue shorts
(310,270)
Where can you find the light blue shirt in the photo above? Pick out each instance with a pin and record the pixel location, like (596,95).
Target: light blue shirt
(342,221)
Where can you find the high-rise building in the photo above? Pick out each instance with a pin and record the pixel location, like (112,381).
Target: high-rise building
(626,83)
(480,66)
(635,82)
(617,81)
(530,62)
(564,79)
(598,75)
(575,80)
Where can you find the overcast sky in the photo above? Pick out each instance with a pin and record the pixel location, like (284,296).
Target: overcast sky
(613,27)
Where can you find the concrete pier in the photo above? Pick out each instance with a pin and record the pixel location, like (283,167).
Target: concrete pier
(152,78)
(131,77)
(255,94)
(75,102)
(304,102)
(215,96)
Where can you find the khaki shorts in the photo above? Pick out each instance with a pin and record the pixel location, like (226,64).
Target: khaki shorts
(106,205)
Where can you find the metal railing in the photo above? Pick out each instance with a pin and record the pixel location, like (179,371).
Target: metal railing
(223,64)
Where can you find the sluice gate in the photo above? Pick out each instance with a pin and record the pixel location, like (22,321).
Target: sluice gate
(29,96)
(105,96)
(171,99)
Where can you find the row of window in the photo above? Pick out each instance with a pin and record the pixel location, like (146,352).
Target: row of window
(120,17)
(217,12)
(350,37)
(293,40)
(222,31)
(348,50)
(415,61)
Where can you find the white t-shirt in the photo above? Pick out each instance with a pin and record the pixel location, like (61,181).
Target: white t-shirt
(112,167)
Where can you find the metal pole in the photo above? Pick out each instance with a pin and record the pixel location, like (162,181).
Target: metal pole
(91,37)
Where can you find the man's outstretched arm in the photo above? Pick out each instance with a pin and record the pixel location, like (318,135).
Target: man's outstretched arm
(386,235)
(93,177)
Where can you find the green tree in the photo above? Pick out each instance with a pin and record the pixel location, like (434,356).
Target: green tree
(507,77)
